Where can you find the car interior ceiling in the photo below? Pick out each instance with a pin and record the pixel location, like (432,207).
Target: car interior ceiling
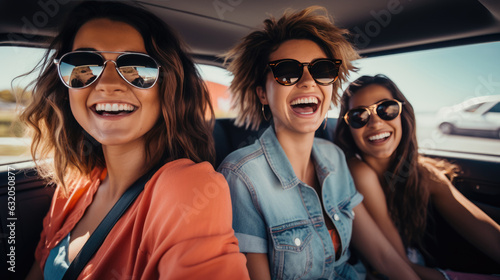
(212,27)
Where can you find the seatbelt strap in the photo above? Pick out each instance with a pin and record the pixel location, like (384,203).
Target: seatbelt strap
(97,238)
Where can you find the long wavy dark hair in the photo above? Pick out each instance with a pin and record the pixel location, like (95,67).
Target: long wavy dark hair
(182,131)
(406,198)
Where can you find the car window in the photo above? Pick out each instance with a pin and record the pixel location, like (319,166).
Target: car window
(437,82)
(15,61)
(495,109)
(473,108)
(440,84)
(217,80)
(14,144)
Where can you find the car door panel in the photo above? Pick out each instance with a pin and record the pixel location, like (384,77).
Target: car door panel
(21,225)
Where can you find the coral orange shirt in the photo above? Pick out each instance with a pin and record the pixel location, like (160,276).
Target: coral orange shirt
(178,228)
(335,239)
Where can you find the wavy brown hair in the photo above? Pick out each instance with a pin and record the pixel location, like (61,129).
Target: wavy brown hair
(407,198)
(182,131)
(248,60)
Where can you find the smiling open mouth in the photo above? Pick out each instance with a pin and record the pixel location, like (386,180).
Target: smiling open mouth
(379,137)
(305,106)
(106,109)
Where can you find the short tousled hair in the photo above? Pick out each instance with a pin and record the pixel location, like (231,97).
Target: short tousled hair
(248,60)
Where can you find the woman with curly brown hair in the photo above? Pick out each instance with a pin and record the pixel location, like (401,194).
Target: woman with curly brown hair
(103,135)
(377,132)
(293,198)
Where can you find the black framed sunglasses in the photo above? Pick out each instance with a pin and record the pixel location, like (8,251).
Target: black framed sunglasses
(385,109)
(288,72)
(80,69)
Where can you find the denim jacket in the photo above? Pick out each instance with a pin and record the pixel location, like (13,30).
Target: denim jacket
(277,214)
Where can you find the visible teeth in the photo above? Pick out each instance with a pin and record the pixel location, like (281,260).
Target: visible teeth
(379,136)
(115,107)
(305,100)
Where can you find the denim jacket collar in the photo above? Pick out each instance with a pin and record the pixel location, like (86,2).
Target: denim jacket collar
(279,163)
(324,165)
(277,159)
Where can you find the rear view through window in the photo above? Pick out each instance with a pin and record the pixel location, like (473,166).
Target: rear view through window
(455,93)
(15,62)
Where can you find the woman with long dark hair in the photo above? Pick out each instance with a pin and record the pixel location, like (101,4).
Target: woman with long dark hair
(141,118)
(377,132)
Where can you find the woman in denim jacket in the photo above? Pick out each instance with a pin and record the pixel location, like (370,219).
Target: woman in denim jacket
(294,200)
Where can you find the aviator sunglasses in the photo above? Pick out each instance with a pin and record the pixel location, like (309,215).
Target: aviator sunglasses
(385,109)
(288,72)
(79,69)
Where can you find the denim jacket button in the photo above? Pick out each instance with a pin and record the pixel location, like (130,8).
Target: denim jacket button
(297,241)
(336,217)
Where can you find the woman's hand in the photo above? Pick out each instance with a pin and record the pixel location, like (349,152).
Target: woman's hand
(376,249)
(463,215)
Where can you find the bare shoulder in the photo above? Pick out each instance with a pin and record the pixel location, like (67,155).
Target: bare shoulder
(363,175)
(367,183)
(357,165)
(360,168)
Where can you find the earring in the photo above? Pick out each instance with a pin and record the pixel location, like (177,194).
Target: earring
(264,113)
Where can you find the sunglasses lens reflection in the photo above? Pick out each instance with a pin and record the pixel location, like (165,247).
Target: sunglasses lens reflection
(139,70)
(324,71)
(358,117)
(80,69)
(387,110)
(287,72)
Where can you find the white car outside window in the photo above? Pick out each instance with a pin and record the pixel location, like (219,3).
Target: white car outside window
(478,116)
